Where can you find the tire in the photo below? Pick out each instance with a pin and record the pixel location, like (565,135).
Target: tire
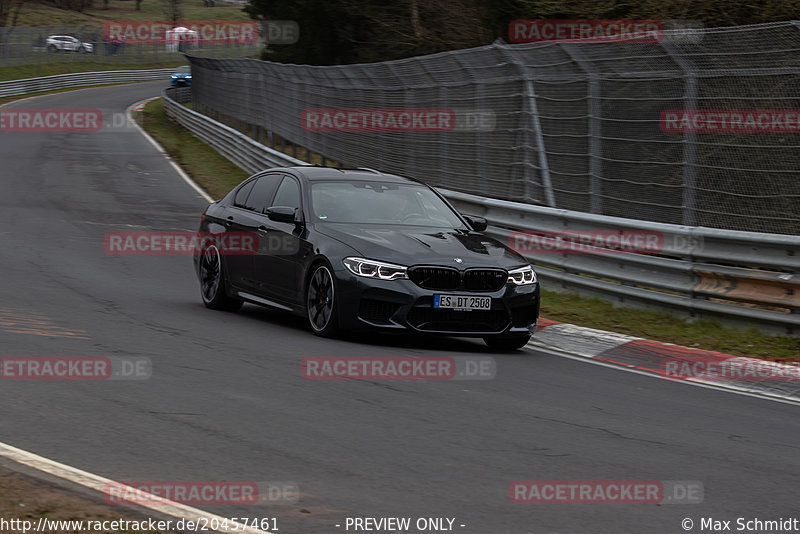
(82,50)
(52,48)
(212,282)
(321,307)
(507,343)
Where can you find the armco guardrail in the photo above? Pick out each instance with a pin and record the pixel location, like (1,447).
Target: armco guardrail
(737,277)
(79,79)
(245,152)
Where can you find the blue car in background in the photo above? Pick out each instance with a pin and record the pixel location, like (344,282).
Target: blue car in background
(182,76)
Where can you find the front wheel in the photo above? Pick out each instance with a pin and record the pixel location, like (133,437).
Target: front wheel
(212,282)
(321,302)
(507,343)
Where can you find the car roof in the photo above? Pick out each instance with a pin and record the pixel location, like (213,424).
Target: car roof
(317,173)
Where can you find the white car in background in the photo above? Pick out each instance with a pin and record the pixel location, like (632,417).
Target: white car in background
(67,43)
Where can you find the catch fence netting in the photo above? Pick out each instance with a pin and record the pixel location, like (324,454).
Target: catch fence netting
(586,126)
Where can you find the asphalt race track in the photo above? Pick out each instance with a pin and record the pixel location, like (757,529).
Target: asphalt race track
(226,400)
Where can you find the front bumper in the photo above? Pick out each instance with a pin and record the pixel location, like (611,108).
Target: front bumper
(401,305)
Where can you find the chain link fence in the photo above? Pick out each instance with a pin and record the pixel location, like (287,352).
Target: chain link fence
(27,45)
(570,125)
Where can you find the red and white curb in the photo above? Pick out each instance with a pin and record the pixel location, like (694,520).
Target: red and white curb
(673,362)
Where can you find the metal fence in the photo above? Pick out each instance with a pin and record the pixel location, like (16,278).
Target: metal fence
(25,45)
(739,278)
(568,125)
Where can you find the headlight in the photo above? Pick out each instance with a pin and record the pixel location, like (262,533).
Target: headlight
(188,76)
(523,276)
(375,269)
(174,75)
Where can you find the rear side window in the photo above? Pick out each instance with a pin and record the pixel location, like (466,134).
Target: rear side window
(288,194)
(262,192)
(241,196)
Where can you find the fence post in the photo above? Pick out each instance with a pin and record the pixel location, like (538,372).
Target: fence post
(533,111)
(690,138)
(595,126)
(444,101)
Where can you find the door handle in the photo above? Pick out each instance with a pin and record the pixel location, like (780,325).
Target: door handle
(229,221)
(263,229)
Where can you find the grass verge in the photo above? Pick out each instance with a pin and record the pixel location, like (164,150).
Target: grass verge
(218,175)
(25,499)
(659,326)
(205,165)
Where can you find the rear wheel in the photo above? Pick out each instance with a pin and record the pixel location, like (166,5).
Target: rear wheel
(321,302)
(52,48)
(507,343)
(212,282)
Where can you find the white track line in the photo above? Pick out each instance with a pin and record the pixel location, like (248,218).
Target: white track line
(98,483)
(186,178)
(555,351)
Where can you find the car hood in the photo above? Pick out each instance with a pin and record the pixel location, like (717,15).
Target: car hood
(416,245)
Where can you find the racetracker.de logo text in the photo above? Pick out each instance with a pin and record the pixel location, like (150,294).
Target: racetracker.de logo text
(50,120)
(589,30)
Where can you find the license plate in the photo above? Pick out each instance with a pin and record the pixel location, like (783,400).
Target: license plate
(462,302)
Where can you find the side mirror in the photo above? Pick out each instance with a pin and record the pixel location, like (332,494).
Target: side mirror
(284,214)
(478,224)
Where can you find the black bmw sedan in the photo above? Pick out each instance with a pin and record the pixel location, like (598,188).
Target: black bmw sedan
(358,249)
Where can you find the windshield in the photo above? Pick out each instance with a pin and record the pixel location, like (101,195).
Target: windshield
(380,203)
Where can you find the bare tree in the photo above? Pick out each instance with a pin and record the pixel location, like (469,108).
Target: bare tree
(9,12)
(173,11)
